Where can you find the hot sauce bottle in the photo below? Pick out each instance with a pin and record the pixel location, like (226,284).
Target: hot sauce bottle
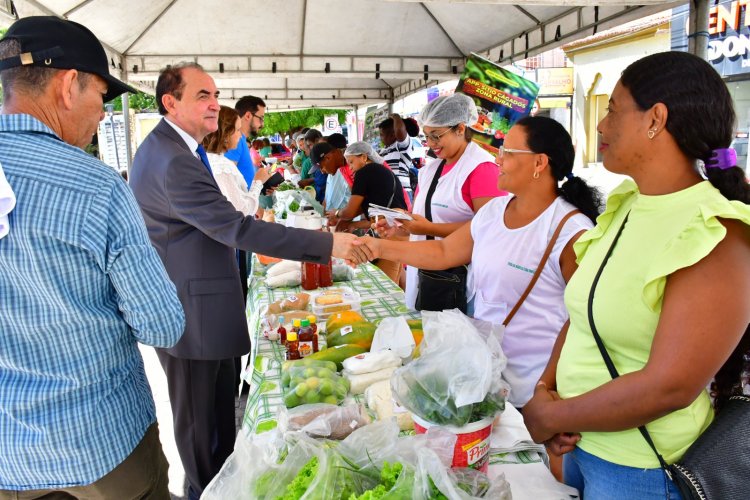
(314,325)
(306,339)
(281,331)
(292,346)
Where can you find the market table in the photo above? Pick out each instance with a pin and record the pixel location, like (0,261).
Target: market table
(381,298)
(524,466)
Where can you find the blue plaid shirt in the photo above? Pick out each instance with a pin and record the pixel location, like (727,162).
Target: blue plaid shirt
(80,285)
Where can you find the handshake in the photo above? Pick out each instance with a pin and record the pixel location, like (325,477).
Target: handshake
(355,250)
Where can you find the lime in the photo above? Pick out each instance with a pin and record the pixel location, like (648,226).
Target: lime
(345,383)
(291,400)
(325,373)
(326,387)
(311,397)
(309,372)
(313,383)
(296,381)
(285,378)
(300,389)
(331,400)
(340,391)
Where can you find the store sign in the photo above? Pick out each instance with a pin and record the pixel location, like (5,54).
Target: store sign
(729,35)
(555,81)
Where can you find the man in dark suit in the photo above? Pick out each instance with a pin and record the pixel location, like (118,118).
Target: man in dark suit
(195,230)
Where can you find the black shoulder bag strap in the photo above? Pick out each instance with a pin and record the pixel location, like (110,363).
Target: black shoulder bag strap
(603,350)
(430,192)
(395,186)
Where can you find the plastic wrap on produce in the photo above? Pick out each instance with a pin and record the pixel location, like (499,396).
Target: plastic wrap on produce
(458,377)
(324,420)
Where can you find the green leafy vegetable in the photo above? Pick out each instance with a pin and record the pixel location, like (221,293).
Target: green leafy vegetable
(293,206)
(397,481)
(260,486)
(302,480)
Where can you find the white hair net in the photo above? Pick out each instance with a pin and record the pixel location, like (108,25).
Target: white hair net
(363,148)
(448,111)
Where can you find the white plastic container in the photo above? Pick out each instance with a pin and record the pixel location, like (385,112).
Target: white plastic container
(327,301)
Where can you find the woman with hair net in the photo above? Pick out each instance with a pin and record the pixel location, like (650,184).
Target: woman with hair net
(451,189)
(373,183)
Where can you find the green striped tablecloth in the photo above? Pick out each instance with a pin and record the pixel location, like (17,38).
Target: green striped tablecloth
(381,298)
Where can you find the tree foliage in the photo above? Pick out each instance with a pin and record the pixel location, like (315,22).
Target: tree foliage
(283,121)
(138,102)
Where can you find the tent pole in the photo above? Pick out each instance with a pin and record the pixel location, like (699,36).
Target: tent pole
(698,36)
(355,134)
(126,125)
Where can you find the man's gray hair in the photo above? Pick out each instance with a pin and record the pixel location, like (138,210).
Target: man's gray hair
(31,80)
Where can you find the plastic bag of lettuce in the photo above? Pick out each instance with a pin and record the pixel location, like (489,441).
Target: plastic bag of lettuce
(373,463)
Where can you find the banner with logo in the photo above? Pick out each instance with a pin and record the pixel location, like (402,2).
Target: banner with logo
(502,98)
(373,118)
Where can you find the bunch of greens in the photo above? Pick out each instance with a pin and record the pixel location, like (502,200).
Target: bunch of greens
(429,401)
(334,479)
(302,481)
(285,186)
(396,481)
(294,206)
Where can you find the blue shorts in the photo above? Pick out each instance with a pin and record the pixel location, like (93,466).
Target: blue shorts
(598,479)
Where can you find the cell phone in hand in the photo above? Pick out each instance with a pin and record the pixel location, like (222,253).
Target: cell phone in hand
(272,182)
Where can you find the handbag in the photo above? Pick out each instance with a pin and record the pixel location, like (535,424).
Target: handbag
(717,464)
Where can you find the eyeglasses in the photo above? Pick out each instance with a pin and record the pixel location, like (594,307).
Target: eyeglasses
(503,150)
(435,138)
(261,118)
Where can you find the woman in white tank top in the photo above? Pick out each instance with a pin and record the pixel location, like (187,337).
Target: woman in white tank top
(506,240)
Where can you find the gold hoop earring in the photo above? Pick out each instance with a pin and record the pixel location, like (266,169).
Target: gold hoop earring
(536,175)
(651,133)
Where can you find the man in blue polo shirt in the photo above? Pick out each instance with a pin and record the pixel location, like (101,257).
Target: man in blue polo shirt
(251,110)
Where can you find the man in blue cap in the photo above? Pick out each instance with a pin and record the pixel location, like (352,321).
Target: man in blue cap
(80,284)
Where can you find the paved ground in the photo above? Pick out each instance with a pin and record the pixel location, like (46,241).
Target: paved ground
(158,381)
(595,175)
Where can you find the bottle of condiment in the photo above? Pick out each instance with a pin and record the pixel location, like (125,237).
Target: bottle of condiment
(306,339)
(295,326)
(325,274)
(281,331)
(313,323)
(292,346)
(310,276)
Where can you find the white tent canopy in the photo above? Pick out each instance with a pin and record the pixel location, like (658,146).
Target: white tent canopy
(334,53)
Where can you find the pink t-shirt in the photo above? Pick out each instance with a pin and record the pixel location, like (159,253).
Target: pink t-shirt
(255,157)
(481,182)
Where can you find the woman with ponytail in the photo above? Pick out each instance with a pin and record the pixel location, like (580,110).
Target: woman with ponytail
(505,242)
(664,278)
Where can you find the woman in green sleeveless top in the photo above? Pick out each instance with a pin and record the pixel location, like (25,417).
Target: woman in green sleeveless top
(672,304)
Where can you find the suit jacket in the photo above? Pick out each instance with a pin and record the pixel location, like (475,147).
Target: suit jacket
(195,230)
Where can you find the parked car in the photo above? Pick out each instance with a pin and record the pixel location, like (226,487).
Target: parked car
(280,152)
